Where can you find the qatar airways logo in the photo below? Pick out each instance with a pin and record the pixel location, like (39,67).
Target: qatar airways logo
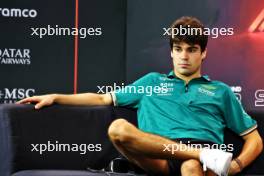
(14,56)
(258,23)
(17,12)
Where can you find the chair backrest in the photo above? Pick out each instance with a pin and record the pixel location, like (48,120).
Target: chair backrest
(82,130)
(21,126)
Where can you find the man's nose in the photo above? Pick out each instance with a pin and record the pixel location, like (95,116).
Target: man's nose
(184,55)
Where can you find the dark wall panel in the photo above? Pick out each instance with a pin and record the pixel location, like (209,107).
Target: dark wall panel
(102,58)
(46,64)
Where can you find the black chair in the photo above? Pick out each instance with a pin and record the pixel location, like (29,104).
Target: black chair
(22,127)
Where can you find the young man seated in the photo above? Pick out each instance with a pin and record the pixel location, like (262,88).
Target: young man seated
(190,109)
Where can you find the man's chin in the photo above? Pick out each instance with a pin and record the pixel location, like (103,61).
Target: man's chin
(186,73)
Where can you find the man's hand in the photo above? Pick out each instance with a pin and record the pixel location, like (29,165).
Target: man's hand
(234,168)
(43,100)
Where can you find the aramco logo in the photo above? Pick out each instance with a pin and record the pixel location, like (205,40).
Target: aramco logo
(258,23)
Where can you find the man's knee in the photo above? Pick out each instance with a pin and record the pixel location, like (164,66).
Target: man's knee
(191,166)
(119,130)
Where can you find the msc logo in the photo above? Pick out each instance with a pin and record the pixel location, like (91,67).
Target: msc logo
(6,12)
(258,23)
(12,95)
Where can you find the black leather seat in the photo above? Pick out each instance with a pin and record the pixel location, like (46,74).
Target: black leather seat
(21,126)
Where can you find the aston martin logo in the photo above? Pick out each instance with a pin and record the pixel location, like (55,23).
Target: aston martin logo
(258,23)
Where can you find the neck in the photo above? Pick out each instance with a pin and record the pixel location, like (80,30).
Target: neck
(188,78)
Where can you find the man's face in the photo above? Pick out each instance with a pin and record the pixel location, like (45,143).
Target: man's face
(187,59)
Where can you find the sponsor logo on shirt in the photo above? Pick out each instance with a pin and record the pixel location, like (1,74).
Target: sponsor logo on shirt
(167,89)
(206,91)
(165,79)
(209,87)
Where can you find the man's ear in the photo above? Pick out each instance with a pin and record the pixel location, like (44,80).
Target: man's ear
(204,54)
(171,53)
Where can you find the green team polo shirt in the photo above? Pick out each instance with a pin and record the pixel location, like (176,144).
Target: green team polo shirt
(199,110)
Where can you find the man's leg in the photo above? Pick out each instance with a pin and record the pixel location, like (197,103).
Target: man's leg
(153,166)
(126,137)
(149,145)
(191,167)
(139,146)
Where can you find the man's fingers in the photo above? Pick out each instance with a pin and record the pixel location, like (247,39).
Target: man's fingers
(40,105)
(28,100)
(34,99)
(39,100)
(23,101)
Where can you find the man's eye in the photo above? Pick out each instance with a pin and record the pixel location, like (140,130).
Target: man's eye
(192,50)
(177,49)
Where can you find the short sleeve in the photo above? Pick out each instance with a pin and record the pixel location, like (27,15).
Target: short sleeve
(235,116)
(132,94)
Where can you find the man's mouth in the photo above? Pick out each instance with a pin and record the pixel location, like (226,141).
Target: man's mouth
(184,65)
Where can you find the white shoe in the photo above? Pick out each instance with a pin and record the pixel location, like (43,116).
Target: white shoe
(216,160)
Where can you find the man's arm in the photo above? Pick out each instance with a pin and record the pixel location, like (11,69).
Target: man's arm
(252,147)
(74,99)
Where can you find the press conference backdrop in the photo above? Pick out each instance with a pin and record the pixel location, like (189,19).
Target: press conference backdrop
(31,64)
(126,42)
(234,59)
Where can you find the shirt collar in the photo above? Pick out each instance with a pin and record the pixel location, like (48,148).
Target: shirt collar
(172,75)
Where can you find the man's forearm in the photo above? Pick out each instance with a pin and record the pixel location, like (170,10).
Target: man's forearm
(83,99)
(251,148)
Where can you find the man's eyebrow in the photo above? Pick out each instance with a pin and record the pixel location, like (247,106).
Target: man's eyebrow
(189,47)
(177,46)
(193,47)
